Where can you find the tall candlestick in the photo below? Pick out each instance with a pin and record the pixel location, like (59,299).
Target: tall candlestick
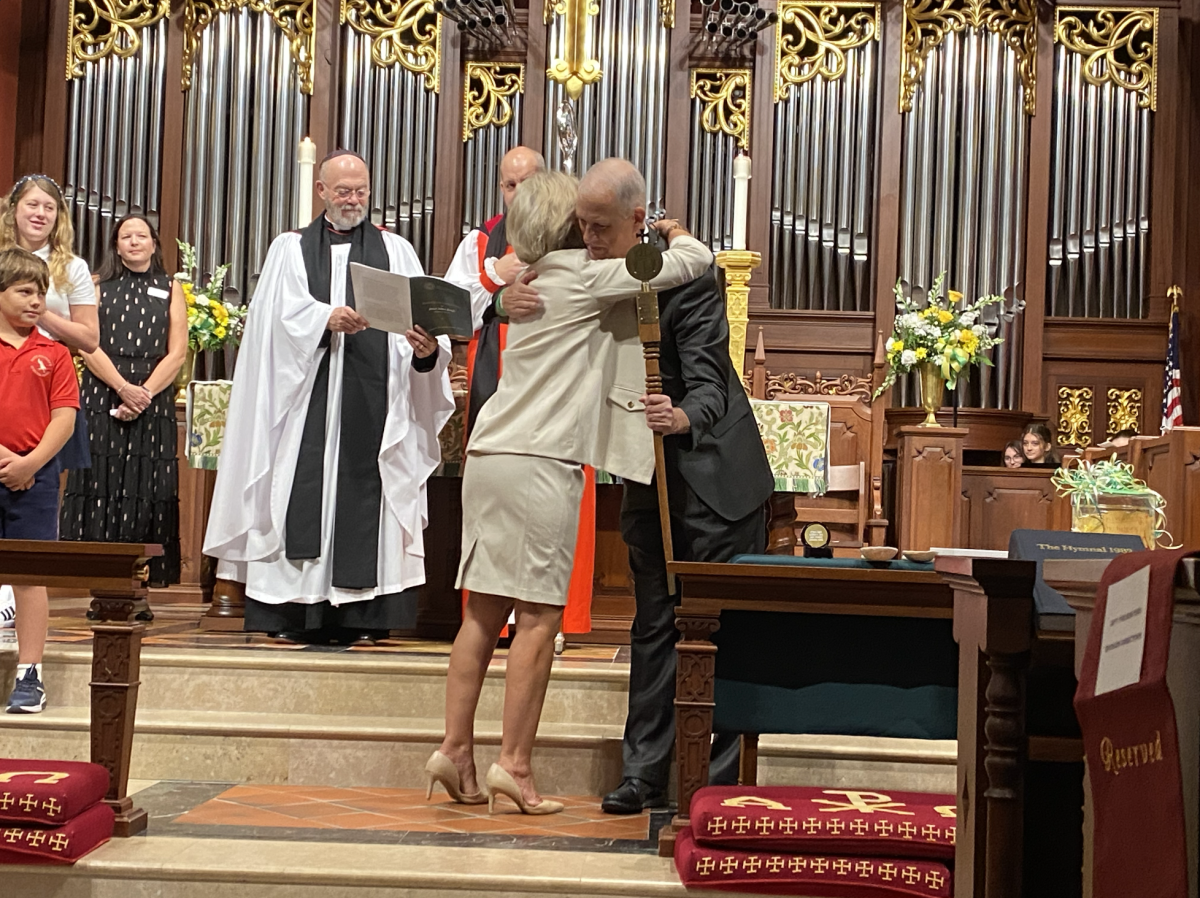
(307,157)
(741,199)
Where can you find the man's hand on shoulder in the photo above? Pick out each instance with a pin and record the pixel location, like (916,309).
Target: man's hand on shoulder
(344,320)
(522,302)
(664,417)
(508,268)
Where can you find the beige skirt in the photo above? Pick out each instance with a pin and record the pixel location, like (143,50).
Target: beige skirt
(520,525)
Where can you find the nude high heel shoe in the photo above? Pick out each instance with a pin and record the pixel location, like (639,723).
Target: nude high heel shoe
(440,769)
(500,782)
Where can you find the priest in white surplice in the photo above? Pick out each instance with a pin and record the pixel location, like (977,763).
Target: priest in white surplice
(319,506)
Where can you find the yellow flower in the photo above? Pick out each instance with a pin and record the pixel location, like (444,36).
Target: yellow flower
(930,312)
(922,352)
(944,316)
(219,332)
(955,297)
(895,345)
(968,340)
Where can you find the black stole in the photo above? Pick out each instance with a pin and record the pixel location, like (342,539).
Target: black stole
(486,374)
(364,413)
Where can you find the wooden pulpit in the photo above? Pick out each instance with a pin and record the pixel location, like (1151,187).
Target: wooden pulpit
(115,575)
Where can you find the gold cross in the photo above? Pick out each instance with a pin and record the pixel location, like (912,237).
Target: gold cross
(812,825)
(774,864)
(883,827)
(798,863)
(36,837)
(950,834)
(12,836)
(841,866)
(751,864)
(887,872)
(788,825)
(705,865)
(820,865)
(836,826)
(716,825)
(51,807)
(907,830)
(859,827)
(58,842)
(911,875)
(931,832)
(764,825)
(935,879)
(7,801)
(864,868)
(729,865)
(741,825)
(29,803)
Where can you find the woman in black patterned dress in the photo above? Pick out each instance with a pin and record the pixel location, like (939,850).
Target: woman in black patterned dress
(131,492)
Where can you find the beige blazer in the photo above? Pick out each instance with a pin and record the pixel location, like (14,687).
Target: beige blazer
(571,379)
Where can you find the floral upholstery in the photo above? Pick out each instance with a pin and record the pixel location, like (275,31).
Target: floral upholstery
(796,437)
(207,406)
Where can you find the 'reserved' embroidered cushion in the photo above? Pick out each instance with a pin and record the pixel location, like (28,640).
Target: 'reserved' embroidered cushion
(826,874)
(808,819)
(48,792)
(57,844)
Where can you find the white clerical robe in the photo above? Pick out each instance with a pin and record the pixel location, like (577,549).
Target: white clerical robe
(464,272)
(272,385)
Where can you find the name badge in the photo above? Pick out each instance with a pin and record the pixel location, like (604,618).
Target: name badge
(158,292)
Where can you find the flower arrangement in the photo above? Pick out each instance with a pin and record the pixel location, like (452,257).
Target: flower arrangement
(212,322)
(1106,497)
(941,334)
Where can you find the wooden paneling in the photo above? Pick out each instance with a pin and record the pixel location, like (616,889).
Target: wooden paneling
(997,501)
(1105,339)
(1144,376)
(195,500)
(1170,465)
(929,464)
(10,78)
(447,175)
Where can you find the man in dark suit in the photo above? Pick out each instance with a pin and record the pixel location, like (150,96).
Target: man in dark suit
(718,481)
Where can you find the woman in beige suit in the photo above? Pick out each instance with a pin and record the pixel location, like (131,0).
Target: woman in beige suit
(570,396)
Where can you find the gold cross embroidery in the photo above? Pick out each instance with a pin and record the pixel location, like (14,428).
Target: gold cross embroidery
(705,866)
(887,872)
(907,830)
(58,842)
(51,807)
(911,875)
(729,865)
(820,865)
(950,834)
(751,864)
(864,868)
(797,864)
(931,832)
(7,801)
(12,836)
(716,825)
(835,826)
(934,879)
(764,825)
(741,825)
(788,825)
(812,826)
(774,864)
(859,827)
(29,803)
(883,828)
(36,837)
(841,866)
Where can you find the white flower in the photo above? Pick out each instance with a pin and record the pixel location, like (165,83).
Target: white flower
(908,357)
(967,319)
(912,321)
(979,330)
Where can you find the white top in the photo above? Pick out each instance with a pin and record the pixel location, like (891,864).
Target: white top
(82,292)
(464,272)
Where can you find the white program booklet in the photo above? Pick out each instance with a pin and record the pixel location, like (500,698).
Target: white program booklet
(394,303)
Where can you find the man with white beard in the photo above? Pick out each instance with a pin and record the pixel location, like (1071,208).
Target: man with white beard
(319,506)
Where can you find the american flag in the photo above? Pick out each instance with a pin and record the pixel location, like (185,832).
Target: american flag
(1172,408)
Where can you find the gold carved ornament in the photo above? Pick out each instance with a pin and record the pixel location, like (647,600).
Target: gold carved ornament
(293,17)
(486,91)
(725,94)
(927,22)
(1118,45)
(1124,410)
(812,39)
(97,28)
(666,13)
(408,32)
(574,70)
(1075,416)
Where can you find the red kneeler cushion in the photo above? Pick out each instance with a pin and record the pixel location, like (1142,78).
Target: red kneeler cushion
(57,844)
(48,793)
(812,819)
(825,875)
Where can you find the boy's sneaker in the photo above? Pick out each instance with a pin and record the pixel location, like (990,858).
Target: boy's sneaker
(28,696)
(8,608)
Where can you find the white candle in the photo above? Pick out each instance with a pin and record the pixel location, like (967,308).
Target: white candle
(307,158)
(741,199)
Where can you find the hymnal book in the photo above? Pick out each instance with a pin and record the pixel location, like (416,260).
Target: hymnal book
(1037,545)
(394,303)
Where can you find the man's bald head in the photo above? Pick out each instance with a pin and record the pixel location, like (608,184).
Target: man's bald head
(344,185)
(611,208)
(517,165)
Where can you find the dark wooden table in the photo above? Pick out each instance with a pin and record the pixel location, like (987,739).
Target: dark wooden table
(991,604)
(115,575)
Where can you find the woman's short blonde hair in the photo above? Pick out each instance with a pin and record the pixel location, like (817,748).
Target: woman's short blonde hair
(541,215)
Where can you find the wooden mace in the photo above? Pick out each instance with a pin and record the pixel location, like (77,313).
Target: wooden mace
(644,262)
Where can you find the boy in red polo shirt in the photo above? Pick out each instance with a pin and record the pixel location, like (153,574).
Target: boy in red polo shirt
(39,396)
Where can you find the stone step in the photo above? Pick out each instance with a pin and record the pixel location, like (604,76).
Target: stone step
(289,682)
(166,867)
(390,752)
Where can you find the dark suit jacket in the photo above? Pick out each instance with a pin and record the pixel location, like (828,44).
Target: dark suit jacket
(722,458)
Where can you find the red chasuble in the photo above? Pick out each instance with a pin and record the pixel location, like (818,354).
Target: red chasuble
(577,616)
(1129,735)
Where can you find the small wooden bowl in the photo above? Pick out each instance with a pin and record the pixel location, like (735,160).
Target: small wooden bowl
(878,554)
(921,557)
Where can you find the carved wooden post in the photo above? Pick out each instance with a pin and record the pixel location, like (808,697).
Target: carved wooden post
(228,608)
(695,676)
(781,528)
(116,667)
(929,486)
(1003,759)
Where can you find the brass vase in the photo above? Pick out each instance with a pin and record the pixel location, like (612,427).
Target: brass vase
(184,377)
(932,389)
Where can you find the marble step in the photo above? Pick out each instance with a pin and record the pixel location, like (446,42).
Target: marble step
(341,750)
(165,867)
(288,682)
